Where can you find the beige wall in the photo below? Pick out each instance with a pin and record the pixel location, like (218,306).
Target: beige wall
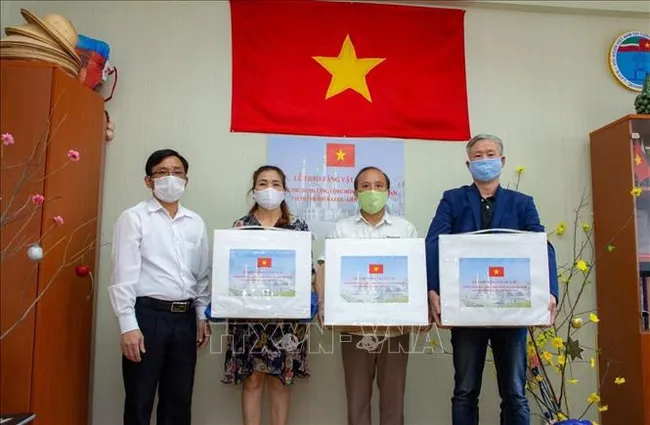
(596,7)
(539,80)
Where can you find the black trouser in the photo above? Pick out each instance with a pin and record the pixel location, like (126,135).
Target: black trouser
(168,364)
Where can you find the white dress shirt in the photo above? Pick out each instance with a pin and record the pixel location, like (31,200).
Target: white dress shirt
(157,256)
(388,227)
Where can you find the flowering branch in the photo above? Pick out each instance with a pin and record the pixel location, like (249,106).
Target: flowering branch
(29,172)
(30,169)
(66,262)
(555,403)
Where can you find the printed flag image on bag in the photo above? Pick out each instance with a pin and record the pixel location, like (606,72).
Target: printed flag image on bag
(482,285)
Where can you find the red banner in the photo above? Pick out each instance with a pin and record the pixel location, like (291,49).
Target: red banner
(348,69)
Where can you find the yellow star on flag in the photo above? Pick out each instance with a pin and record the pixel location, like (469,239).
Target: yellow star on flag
(637,159)
(340,155)
(348,71)
(376,268)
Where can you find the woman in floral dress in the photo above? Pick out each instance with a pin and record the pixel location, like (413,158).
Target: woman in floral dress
(267,353)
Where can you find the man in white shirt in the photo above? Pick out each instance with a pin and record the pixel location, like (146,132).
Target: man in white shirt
(159,290)
(385,355)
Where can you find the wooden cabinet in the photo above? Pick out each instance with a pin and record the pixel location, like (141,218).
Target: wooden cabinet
(45,361)
(619,163)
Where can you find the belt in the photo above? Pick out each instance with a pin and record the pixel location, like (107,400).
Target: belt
(169,306)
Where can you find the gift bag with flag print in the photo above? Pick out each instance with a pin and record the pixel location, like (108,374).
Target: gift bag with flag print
(263,273)
(499,278)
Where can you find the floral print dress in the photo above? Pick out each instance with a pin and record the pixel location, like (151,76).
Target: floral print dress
(275,348)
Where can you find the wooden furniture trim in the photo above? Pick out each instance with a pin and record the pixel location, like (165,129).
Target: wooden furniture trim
(626,119)
(61,325)
(617,285)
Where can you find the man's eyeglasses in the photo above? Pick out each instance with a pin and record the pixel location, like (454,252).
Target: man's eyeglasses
(179,174)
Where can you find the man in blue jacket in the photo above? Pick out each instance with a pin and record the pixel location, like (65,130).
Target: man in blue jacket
(486,205)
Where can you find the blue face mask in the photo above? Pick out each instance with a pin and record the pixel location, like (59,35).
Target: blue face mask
(485,170)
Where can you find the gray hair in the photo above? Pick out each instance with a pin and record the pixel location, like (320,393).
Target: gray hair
(483,136)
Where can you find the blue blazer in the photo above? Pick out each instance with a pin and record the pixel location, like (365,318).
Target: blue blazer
(459,211)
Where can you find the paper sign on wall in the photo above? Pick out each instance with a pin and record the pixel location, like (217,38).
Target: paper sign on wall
(320,175)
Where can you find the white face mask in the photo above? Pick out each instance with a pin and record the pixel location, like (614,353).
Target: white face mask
(169,188)
(269,198)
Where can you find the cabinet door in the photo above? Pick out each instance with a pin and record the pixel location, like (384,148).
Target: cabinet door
(24,110)
(64,318)
(640,162)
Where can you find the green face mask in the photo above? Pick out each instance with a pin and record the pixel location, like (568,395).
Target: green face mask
(372,201)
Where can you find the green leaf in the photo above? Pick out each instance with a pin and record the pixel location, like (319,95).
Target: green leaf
(610,248)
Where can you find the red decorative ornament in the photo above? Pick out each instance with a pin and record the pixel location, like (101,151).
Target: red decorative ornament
(82,271)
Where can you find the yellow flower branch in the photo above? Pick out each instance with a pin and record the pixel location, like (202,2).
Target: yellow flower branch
(563,350)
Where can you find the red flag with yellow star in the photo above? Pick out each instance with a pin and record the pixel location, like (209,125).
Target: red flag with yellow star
(340,69)
(376,269)
(496,271)
(641,167)
(339,155)
(264,262)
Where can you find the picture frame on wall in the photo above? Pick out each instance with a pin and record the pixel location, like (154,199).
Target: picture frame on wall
(261,274)
(375,283)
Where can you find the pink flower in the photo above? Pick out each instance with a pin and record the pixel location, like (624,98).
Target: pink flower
(38,199)
(73,155)
(58,219)
(7,139)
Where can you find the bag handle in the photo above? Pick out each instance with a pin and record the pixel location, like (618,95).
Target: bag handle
(111,70)
(478,232)
(260,228)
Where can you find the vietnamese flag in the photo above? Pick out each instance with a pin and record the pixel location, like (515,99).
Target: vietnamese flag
(264,262)
(342,69)
(339,155)
(496,271)
(376,269)
(641,167)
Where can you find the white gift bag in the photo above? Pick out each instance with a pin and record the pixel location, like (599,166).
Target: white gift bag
(375,282)
(494,279)
(261,274)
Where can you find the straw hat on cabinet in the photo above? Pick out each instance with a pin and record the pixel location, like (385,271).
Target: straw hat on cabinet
(51,39)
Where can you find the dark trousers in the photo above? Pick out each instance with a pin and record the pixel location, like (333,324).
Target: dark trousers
(509,352)
(168,365)
(388,362)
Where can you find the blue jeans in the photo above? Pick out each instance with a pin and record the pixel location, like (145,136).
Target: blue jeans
(509,352)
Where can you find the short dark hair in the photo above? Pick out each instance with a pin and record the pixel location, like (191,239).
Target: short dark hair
(364,169)
(159,156)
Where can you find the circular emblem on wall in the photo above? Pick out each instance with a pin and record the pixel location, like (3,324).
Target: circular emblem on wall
(629,59)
